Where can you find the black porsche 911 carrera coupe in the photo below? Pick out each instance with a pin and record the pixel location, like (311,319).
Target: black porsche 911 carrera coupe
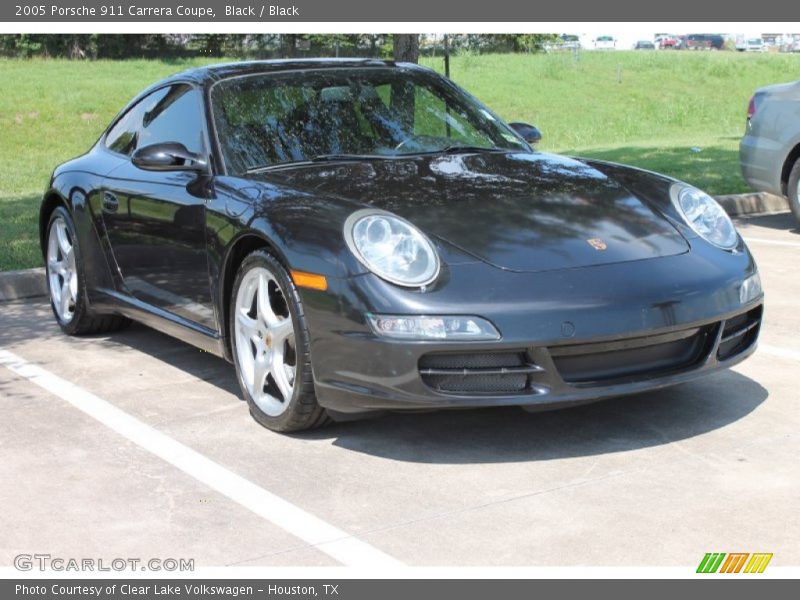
(360,236)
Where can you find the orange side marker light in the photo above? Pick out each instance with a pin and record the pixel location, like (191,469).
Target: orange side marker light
(309,280)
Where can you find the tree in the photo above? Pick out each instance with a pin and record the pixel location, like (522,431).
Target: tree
(212,44)
(290,45)
(406,47)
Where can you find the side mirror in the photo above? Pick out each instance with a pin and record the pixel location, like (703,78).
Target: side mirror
(169,156)
(527,132)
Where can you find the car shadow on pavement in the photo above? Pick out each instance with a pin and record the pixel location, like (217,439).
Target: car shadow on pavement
(507,434)
(21,321)
(501,435)
(198,363)
(784,221)
(495,435)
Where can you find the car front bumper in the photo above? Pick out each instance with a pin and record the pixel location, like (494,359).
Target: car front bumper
(568,336)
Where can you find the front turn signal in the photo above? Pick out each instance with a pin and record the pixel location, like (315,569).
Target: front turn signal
(309,280)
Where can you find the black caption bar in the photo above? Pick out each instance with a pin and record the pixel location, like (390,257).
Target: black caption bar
(210,11)
(372,589)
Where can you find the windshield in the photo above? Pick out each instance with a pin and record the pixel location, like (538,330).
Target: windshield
(271,119)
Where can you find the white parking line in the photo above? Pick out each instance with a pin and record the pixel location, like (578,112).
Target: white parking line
(323,536)
(778,351)
(756,240)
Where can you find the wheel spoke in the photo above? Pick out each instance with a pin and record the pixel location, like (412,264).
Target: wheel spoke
(64,300)
(279,375)
(291,372)
(52,243)
(55,292)
(73,285)
(261,368)
(63,240)
(69,259)
(56,267)
(280,331)
(248,327)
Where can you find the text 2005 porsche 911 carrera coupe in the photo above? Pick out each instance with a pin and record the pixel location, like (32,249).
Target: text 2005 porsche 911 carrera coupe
(359,236)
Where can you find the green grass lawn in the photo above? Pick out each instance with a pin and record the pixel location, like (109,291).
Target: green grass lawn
(647,108)
(680,113)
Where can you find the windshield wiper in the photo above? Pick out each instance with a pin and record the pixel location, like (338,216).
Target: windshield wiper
(334,157)
(318,158)
(456,148)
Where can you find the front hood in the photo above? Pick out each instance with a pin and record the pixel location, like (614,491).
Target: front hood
(522,211)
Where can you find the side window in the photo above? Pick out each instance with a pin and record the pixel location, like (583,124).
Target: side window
(174,117)
(123,135)
(170,114)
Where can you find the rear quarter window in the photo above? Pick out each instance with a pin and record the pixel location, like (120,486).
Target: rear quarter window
(169,114)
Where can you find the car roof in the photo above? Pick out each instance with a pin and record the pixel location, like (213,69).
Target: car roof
(215,72)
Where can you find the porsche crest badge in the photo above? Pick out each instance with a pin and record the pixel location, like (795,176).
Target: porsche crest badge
(597,244)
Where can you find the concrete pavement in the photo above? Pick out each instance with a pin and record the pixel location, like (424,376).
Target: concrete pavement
(654,479)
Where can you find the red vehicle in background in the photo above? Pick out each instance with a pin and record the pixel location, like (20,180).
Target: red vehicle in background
(665,42)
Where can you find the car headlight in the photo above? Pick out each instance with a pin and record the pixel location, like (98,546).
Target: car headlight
(705,216)
(392,248)
(750,289)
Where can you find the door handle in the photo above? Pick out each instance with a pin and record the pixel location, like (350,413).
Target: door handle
(110,202)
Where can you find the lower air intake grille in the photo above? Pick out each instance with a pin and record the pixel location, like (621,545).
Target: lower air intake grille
(739,333)
(628,359)
(479,373)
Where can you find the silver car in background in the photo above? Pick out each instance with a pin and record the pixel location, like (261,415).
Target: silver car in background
(770,149)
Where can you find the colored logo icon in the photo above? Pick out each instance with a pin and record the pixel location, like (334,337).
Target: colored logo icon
(734,562)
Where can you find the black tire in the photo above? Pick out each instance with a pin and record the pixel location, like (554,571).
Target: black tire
(792,190)
(302,411)
(83,321)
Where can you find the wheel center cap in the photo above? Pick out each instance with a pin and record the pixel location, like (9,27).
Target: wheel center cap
(268,339)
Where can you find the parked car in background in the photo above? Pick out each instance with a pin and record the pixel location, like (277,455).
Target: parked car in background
(787,44)
(644,45)
(770,149)
(755,45)
(570,42)
(667,42)
(605,42)
(704,41)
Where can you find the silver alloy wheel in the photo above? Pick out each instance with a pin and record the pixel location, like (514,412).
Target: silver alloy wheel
(265,342)
(61,271)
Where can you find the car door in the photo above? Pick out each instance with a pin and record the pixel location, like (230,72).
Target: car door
(155,220)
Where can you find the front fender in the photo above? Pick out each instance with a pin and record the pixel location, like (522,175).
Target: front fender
(654,189)
(650,187)
(304,230)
